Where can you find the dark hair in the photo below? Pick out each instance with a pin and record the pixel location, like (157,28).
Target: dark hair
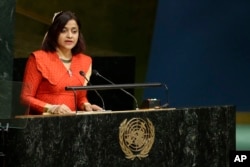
(58,23)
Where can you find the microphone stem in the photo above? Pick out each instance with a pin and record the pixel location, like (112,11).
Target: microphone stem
(135,100)
(103,105)
(166,90)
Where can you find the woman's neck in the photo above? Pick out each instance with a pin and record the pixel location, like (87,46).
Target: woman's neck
(64,54)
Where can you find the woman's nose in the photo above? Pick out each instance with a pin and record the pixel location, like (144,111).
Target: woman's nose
(69,35)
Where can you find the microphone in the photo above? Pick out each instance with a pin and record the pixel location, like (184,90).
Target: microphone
(96,73)
(83,74)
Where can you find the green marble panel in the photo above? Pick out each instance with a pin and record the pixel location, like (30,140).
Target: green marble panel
(7,12)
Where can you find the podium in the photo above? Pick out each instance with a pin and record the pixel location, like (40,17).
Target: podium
(184,137)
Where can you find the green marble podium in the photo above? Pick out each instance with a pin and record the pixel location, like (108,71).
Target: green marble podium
(185,137)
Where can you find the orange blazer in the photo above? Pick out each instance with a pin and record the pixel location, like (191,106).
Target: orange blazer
(45,79)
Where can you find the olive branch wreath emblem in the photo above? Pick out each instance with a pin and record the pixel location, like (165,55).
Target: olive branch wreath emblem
(136,137)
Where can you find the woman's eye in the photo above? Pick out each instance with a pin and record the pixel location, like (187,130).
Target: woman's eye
(74,31)
(64,30)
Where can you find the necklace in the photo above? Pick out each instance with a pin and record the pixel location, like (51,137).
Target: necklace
(66,61)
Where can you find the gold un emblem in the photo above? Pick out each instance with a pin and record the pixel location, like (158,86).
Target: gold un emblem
(136,137)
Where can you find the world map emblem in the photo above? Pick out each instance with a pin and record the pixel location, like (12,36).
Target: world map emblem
(136,137)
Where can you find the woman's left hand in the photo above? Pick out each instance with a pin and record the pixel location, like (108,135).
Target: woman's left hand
(92,107)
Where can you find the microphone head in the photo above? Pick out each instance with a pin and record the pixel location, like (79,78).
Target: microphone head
(82,73)
(95,72)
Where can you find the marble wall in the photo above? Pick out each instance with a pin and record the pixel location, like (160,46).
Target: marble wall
(7,12)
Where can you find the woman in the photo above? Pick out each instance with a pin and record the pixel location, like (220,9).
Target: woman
(57,65)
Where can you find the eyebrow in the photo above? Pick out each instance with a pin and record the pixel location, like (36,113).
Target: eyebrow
(72,28)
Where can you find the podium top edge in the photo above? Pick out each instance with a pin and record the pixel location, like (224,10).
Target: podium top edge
(92,113)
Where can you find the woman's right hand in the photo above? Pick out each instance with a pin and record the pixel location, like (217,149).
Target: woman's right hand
(58,109)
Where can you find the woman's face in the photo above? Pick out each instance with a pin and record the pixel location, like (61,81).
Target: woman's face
(68,37)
